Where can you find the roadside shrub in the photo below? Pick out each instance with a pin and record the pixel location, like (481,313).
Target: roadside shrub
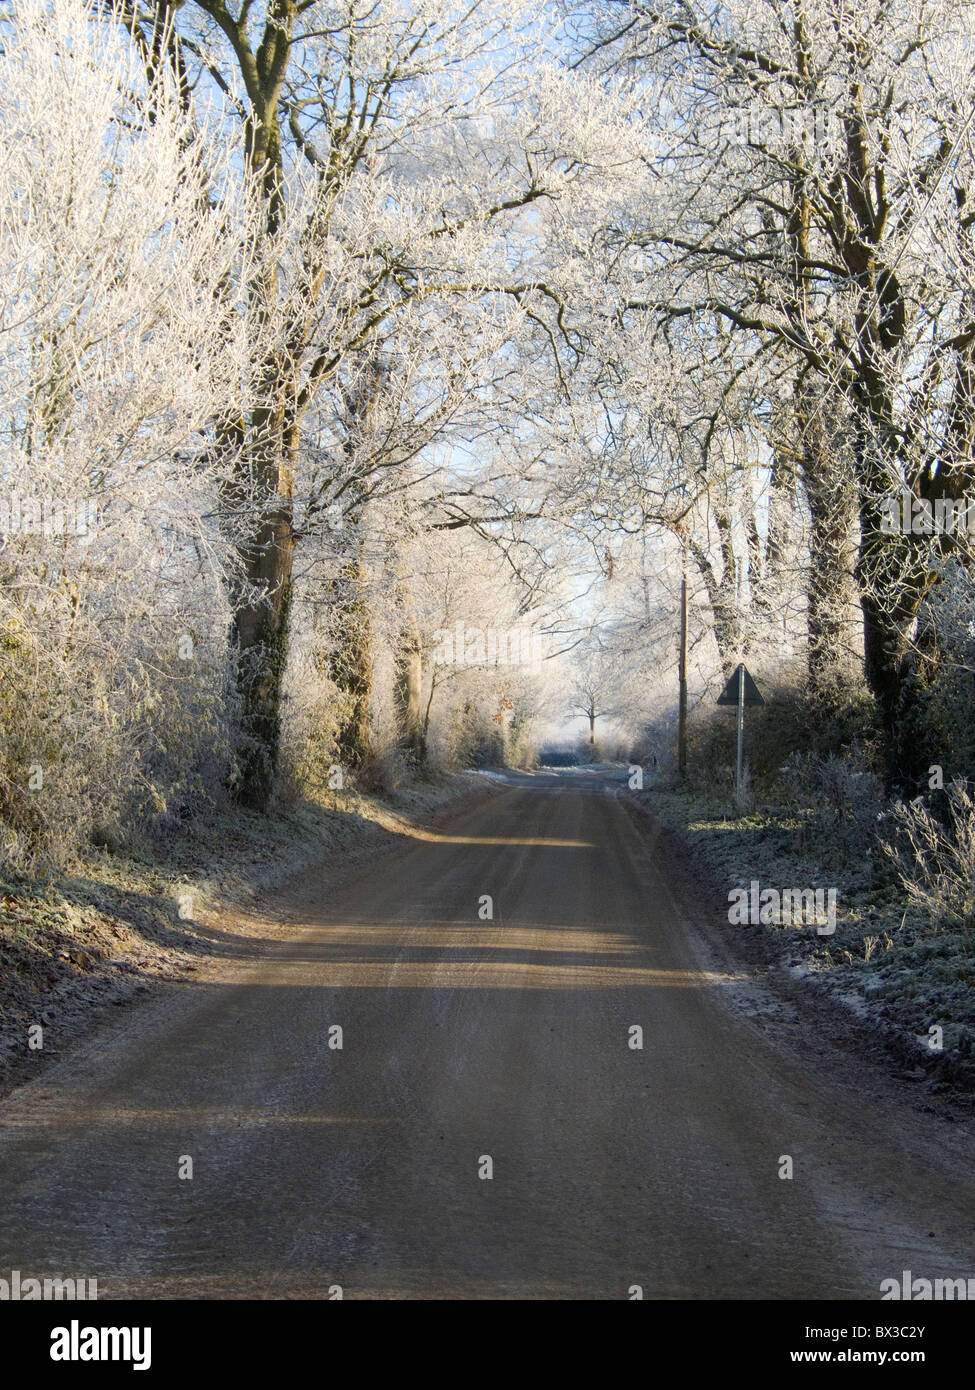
(935,859)
(838,800)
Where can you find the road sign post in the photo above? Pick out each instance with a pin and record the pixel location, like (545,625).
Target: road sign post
(740,691)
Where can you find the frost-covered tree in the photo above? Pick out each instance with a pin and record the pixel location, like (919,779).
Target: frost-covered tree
(402,153)
(119,231)
(812,165)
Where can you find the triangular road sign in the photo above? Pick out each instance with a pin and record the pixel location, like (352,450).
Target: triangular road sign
(729,696)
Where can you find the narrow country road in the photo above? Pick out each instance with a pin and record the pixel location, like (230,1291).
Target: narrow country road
(463,1039)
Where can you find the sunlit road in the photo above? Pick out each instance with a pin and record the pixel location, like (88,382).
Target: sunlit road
(472,1044)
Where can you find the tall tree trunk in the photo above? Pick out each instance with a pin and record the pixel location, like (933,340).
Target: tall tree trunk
(830,588)
(893,575)
(831,499)
(782,523)
(267,461)
(351,668)
(722,594)
(408,684)
(350,665)
(261,613)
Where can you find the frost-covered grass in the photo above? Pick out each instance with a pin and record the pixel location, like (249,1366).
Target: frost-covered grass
(888,959)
